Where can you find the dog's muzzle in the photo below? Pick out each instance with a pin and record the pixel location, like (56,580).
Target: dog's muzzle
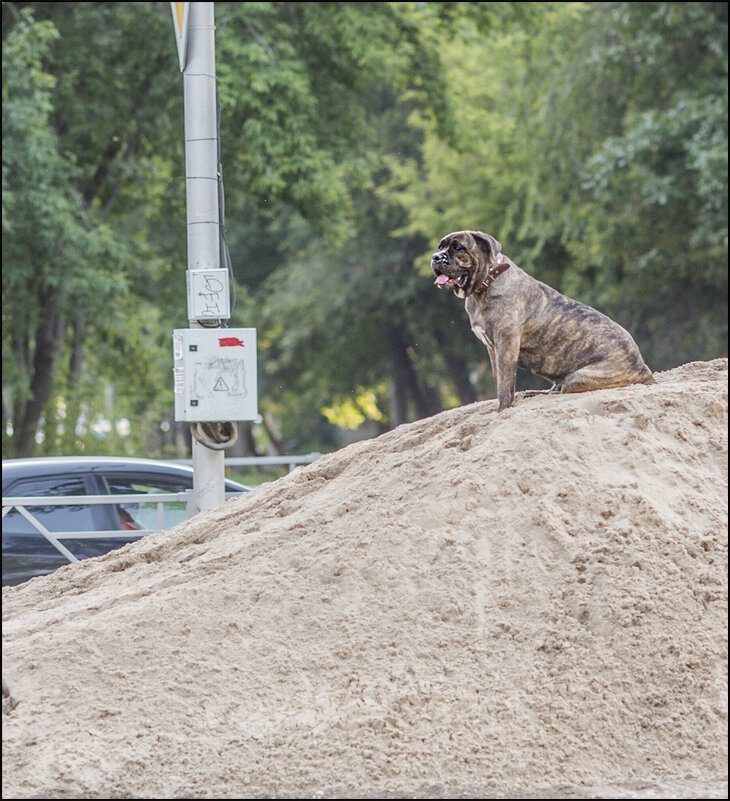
(447,277)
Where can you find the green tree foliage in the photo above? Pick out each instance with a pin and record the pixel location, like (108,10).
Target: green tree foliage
(595,149)
(85,197)
(53,264)
(297,81)
(590,138)
(341,314)
(653,193)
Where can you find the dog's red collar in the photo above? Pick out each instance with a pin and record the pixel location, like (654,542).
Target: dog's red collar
(498,267)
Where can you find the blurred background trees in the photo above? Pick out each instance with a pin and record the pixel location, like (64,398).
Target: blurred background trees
(589,138)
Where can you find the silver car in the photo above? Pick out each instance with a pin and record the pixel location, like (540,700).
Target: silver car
(100,527)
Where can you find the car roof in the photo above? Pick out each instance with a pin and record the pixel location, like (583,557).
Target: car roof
(13,469)
(87,461)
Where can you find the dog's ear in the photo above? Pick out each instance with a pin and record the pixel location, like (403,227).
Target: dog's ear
(488,244)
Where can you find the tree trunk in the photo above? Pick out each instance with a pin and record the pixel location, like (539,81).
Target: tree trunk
(458,370)
(428,402)
(77,346)
(76,364)
(245,432)
(425,399)
(402,371)
(48,341)
(398,401)
(273,435)
(182,439)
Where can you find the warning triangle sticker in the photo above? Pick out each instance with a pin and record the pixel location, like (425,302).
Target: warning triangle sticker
(220,386)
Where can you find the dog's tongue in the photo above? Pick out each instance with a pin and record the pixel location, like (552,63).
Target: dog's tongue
(442,279)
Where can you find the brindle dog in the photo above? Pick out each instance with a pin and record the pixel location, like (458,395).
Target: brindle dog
(525,323)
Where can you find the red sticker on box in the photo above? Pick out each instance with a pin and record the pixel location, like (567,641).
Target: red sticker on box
(231,342)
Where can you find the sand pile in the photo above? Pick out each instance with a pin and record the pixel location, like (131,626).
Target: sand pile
(474,603)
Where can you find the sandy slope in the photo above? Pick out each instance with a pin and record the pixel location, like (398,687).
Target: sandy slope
(531,602)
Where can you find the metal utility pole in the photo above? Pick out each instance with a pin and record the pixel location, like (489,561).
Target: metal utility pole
(201,141)
(201,180)
(215,366)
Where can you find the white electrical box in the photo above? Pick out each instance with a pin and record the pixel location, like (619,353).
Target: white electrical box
(209,296)
(215,374)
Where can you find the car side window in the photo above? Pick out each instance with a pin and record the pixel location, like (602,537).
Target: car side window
(54,518)
(144,514)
